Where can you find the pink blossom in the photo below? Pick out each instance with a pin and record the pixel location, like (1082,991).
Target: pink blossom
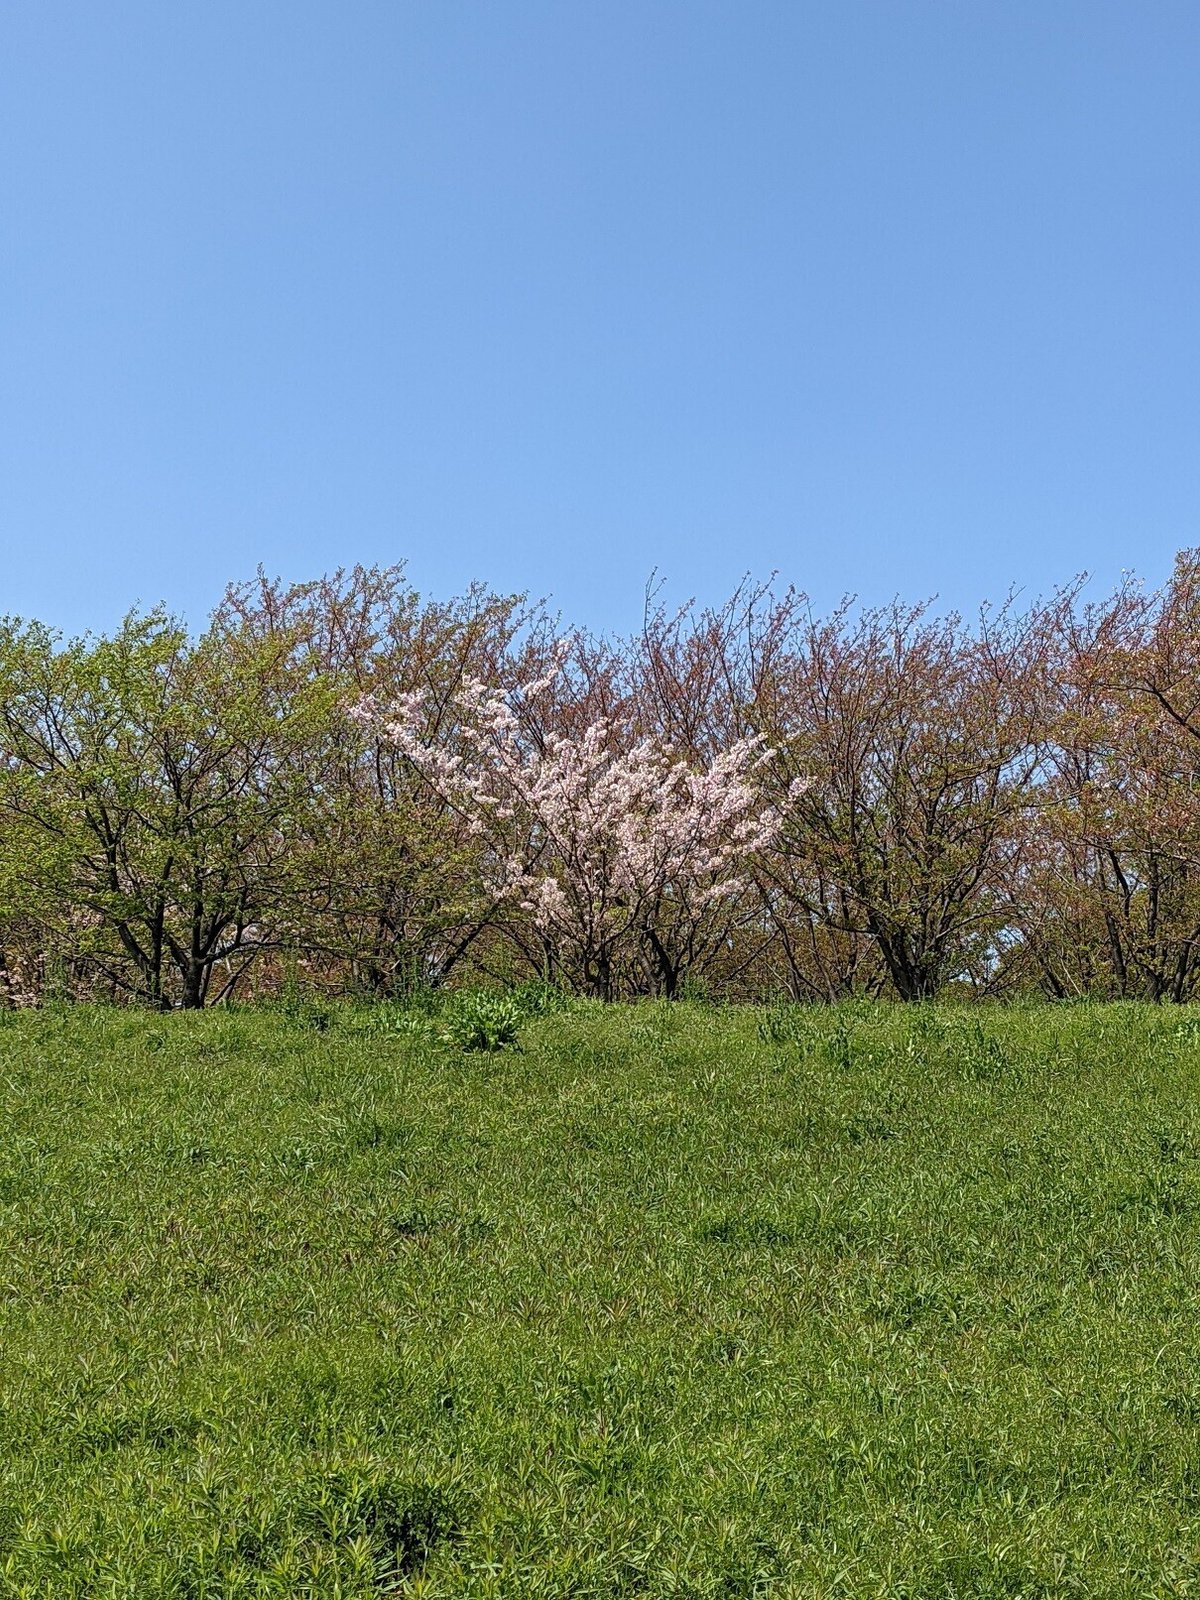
(609,843)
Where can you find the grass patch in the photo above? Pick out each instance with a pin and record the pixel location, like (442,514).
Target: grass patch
(669,1301)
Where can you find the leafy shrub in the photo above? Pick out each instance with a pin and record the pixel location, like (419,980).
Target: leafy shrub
(484,1021)
(476,1019)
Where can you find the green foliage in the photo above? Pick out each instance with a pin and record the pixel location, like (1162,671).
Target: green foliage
(481,1020)
(539,999)
(675,1301)
(485,1020)
(491,1020)
(147,792)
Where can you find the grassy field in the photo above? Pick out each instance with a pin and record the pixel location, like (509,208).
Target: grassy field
(671,1302)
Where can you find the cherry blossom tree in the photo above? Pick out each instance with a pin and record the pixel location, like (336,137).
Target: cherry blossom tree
(629,862)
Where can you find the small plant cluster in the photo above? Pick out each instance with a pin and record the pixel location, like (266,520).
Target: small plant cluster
(485,1020)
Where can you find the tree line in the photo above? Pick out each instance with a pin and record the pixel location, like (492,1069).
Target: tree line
(345,786)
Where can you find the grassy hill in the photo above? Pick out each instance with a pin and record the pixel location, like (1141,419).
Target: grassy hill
(672,1301)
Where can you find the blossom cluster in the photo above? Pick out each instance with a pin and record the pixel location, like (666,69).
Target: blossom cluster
(606,841)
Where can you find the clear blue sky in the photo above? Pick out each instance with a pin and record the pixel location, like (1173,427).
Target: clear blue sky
(886,295)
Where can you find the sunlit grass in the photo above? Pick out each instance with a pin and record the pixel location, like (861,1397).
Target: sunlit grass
(673,1301)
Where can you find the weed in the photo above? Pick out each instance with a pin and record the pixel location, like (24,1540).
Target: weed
(484,1021)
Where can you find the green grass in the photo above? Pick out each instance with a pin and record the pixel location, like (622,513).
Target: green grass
(671,1302)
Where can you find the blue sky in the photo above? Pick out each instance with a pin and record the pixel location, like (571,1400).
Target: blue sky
(886,297)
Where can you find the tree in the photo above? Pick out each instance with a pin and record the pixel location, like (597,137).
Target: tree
(1108,896)
(148,785)
(918,743)
(385,887)
(623,857)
